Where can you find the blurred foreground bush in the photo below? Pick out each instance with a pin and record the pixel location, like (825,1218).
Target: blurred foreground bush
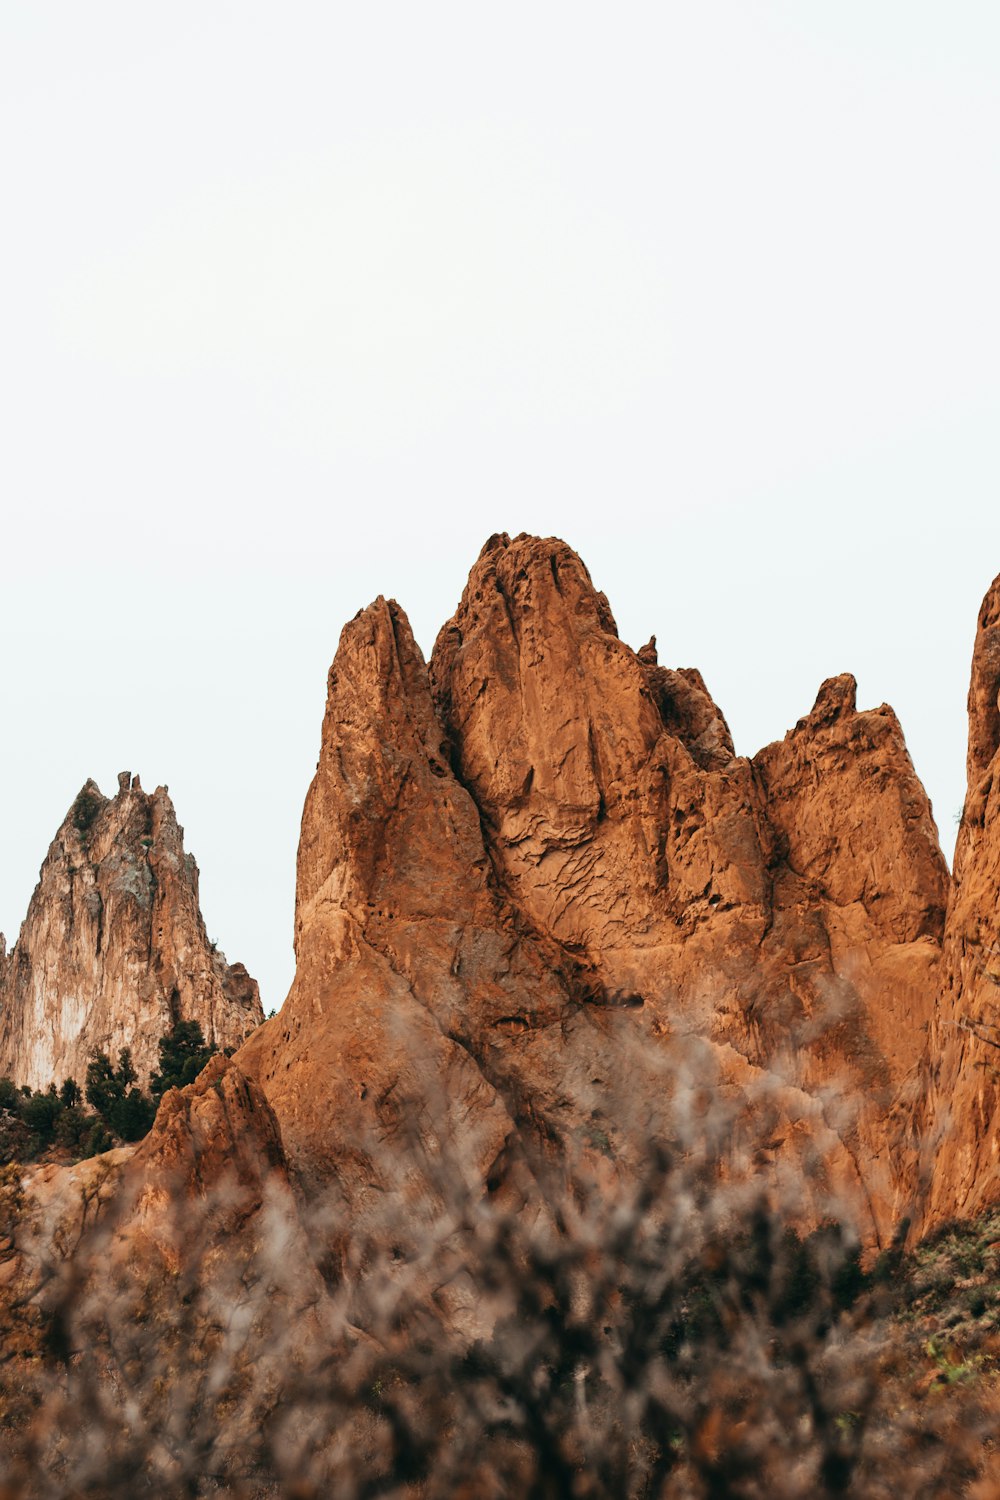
(586,1329)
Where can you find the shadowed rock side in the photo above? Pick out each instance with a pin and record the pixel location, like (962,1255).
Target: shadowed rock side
(962,1121)
(113,950)
(522,895)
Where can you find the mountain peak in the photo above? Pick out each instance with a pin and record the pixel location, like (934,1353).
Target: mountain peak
(113,950)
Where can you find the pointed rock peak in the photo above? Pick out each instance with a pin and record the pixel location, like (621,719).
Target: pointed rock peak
(124,782)
(852,815)
(113,950)
(587,835)
(837,696)
(984,688)
(965,1085)
(531,589)
(543,702)
(525,544)
(989,612)
(689,712)
(496,543)
(377,661)
(384,813)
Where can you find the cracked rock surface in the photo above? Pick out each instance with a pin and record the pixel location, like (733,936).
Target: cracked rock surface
(959,1123)
(533,870)
(113,949)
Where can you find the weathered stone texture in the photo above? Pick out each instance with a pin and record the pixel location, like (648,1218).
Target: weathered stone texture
(527,873)
(113,949)
(959,1128)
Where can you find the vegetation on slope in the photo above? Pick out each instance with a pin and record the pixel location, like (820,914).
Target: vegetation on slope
(657,1334)
(69,1123)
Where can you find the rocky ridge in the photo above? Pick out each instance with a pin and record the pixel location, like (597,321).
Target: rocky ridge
(113,950)
(535,883)
(958,1126)
(532,872)
(544,914)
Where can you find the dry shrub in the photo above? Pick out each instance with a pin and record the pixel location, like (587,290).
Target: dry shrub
(581,1331)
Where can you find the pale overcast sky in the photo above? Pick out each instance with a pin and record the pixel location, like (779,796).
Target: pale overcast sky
(300,302)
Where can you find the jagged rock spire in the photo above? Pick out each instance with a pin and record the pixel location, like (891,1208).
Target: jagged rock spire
(113,949)
(526,873)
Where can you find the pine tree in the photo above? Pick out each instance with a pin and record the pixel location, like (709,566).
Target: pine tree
(183,1054)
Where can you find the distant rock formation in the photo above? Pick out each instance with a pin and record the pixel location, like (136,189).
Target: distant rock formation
(532,872)
(113,949)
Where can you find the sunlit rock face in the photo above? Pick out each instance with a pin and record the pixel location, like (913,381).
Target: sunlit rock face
(533,871)
(960,1127)
(113,949)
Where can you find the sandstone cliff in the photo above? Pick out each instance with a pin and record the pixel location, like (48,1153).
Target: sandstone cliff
(960,1124)
(531,873)
(542,907)
(113,949)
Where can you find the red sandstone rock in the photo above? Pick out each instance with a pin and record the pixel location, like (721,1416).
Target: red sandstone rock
(961,1124)
(518,894)
(532,878)
(214,1151)
(212,1171)
(113,949)
(419,998)
(185,1254)
(538,893)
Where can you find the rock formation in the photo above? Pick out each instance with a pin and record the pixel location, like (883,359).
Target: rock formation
(214,1144)
(113,949)
(178,1270)
(960,1123)
(532,871)
(542,907)
(415,987)
(534,880)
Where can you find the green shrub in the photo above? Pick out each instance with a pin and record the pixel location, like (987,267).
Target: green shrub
(70,1093)
(10,1096)
(85,810)
(110,1107)
(183,1054)
(72,1130)
(40,1113)
(112,1093)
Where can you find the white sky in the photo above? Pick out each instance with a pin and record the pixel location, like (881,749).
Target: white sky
(300,302)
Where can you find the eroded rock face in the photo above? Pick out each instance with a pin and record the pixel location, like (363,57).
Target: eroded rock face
(210,1179)
(211,1163)
(202,1182)
(419,1001)
(961,1124)
(179,1270)
(791,907)
(527,874)
(113,949)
